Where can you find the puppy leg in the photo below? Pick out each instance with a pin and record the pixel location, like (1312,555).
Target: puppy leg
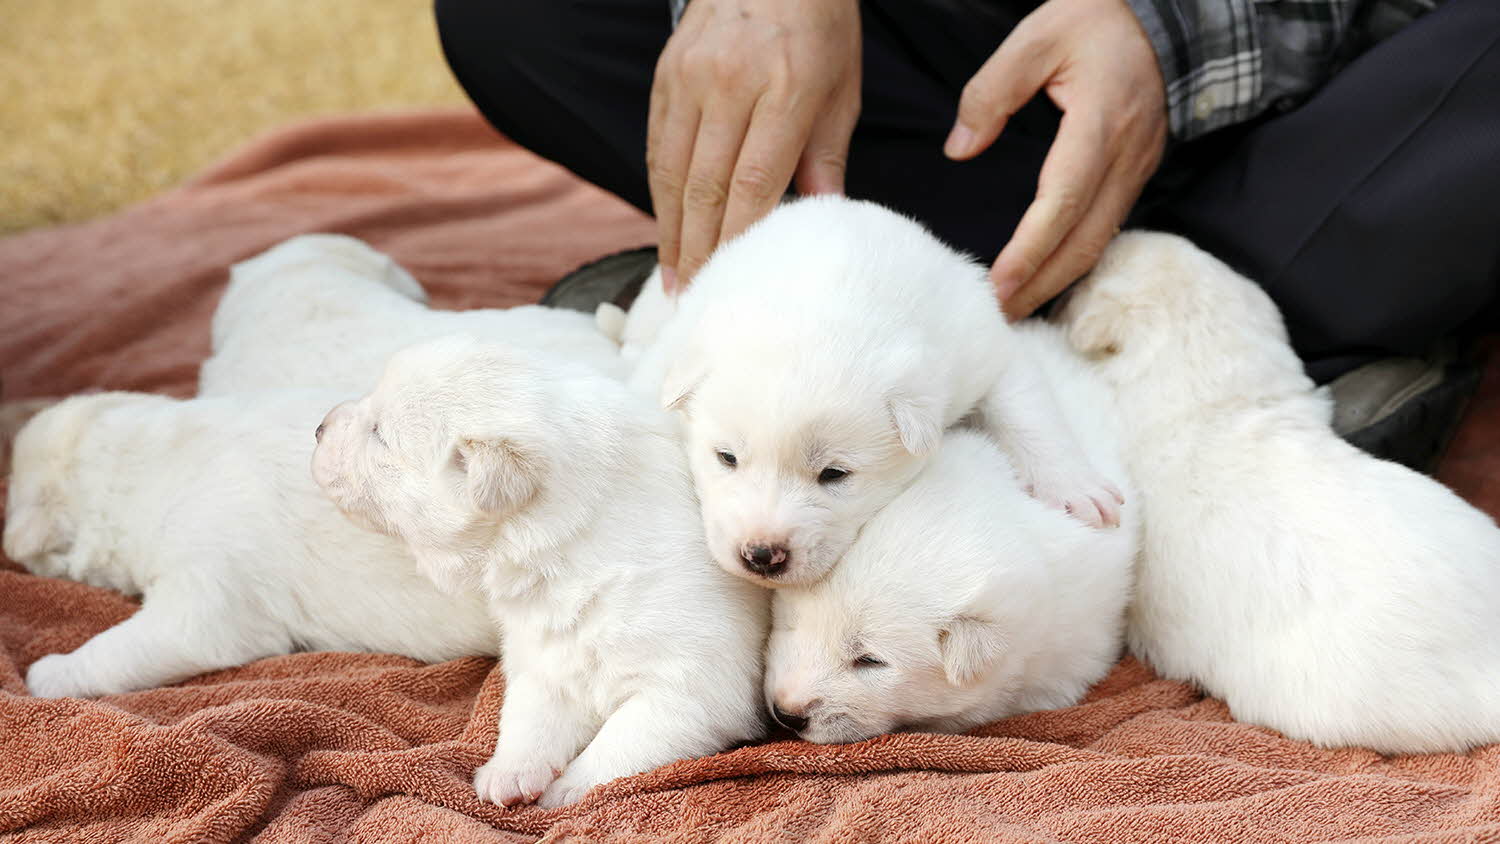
(539,733)
(179,632)
(1022,414)
(648,731)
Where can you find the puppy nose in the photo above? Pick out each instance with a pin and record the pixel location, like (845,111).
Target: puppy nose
(764,559)
(795,723)
(328,420)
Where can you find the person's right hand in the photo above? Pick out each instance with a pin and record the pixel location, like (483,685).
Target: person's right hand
(747,94)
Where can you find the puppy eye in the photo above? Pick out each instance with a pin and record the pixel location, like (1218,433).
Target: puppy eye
(727,458)
(867,661)
(375,432)
(831,475)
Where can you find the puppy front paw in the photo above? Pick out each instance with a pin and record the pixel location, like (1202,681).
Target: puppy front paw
(506,782)
(55,676)
(568,788)
(1090,499)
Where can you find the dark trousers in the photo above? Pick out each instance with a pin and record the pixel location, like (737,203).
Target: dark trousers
(1371,214)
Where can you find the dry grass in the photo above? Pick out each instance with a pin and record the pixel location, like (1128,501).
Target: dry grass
(105,102)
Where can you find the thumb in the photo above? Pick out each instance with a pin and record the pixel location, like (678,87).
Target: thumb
(1006,81)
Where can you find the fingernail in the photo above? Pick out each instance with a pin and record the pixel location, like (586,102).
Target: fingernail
(669,280)
(959,142)
(1006,284)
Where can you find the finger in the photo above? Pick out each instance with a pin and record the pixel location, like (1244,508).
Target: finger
(767,159)
(1066,187)
(1079,251)
(669,151)
(705,193)
(1008,80)
(824,162)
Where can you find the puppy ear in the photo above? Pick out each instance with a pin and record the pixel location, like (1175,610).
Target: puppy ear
(498,476)
(1096,330)
(969,646)
(683,377)
(28,532)
(916,406)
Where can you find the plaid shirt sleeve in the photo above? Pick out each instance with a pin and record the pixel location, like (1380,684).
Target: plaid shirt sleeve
(1226,61)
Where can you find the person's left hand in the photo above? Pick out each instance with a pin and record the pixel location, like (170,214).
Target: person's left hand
(1095,62)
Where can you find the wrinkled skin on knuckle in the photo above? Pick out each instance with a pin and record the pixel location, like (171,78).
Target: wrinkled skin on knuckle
(703,193)
(755,182)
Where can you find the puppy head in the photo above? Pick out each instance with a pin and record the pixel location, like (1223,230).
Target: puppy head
(456,439)
(844,666)
(791,458)
(46,486)
(1156,302)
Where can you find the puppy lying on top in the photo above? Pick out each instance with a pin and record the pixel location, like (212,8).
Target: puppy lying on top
(325,311)
(566,499)
(206,506)
(816,361)
(964,600)
(1319,591)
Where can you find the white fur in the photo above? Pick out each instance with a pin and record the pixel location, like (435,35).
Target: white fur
(324,311)
(1319,591)
(650,311)
(567,499)
(836,334)
(979,601)
(207,507)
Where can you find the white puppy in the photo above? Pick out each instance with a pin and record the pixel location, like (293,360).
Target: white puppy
(567,499)
(817,359)
(1319,591)
(964,600)
(325,311)
(206,507)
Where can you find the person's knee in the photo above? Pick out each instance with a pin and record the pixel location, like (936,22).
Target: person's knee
(482,38)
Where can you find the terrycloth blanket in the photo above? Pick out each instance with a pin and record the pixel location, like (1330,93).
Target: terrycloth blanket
(332,746)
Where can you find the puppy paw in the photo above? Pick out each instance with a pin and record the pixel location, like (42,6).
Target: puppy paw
(566,790)
(55,676)
(1094,501)
(508,783)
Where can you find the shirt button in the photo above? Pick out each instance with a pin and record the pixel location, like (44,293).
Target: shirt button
(1203,106)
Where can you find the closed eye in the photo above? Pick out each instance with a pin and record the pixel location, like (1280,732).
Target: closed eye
(375,432)
(868,661)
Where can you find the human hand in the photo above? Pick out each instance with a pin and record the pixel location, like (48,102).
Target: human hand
(1096,64)
(747,94)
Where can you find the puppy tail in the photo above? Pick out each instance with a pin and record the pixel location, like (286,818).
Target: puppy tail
(610,319)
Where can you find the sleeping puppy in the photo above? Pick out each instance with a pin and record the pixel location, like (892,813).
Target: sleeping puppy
(816,361)
(964,600)
(324,311)
(1319,591)
(567,500)
(206,507)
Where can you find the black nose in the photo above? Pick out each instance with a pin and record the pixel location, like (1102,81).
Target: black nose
(795,723)
(768,560)
(318,434)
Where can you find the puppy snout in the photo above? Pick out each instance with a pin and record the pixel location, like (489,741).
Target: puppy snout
(792,721)
(769,560)
(330,419)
